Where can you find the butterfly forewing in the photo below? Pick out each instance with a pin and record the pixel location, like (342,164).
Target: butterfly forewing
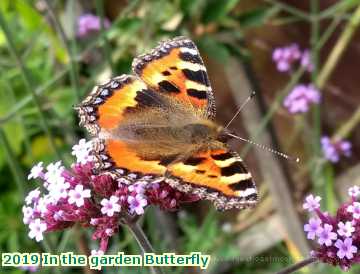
(176,68)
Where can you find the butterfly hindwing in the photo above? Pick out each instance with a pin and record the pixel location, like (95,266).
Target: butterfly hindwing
(175,68)
(118,158)
(217,175)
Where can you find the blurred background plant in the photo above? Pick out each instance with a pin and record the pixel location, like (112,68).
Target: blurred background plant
(301,58)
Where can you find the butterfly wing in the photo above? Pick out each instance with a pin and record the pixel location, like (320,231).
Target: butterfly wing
(217,175)
(175,68)
(103,110)
(108,104)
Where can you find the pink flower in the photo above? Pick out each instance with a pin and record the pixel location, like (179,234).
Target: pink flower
(312,203)
(54,172)
(306,61)
(89,23)
(345,229)
(326,236)
(36,171)
(37,228)
(333,149)
(301,98)
(28,213)
(78,195)
(33,196)
(110,206)
(354,191)
(137,204)
(346,249)
(284,57)
(95,252)
(59,190)
(339,247)
(354,209)
(82,151)
(312,228)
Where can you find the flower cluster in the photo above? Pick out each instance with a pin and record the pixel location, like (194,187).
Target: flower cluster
(338,236)
(99,201)
(333,149)
(88,24)
(301,97)
(286,57)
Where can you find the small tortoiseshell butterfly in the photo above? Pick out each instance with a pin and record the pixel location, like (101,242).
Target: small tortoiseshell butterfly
(158,123)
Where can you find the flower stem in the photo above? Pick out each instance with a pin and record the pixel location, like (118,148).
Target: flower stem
(141,239)
(297,266)
(339,48)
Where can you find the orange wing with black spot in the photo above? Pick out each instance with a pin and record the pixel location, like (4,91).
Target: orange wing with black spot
(104,110)
(107,104)
(175,68)
(217,175)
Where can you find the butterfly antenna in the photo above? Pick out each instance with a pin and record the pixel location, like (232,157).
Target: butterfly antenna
(240,108)
(291,158)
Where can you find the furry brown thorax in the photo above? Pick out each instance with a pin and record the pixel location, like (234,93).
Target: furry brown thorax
(160,133)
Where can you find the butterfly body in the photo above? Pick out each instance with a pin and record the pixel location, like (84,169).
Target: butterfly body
(159,123)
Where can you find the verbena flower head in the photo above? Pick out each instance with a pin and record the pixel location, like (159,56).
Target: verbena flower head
(334,149)
(306,61)
(88,24)
(286,57)
(76,195)
(301,98)
(338,237)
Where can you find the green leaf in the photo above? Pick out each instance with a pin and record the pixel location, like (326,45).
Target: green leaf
(13,130)
(256,17)
(214,49)
(216,10)
(30,17)
(62,99)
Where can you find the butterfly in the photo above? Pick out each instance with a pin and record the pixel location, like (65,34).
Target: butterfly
(159,123)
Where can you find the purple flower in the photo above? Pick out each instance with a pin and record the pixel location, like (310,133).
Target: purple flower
(33,196)
(333,149)
(339,246)
(312,203)
(346,229)
(306,61)
(95,252)
(36,171)
(77,195)
(82,151)
(54,173)
(137,204)
(354,191)
(37,228)
(312,228)
(346,249)
(89,23)
(355,210)
(28,214)
(284,57)
(326,236)
(301,97)
(110,206)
